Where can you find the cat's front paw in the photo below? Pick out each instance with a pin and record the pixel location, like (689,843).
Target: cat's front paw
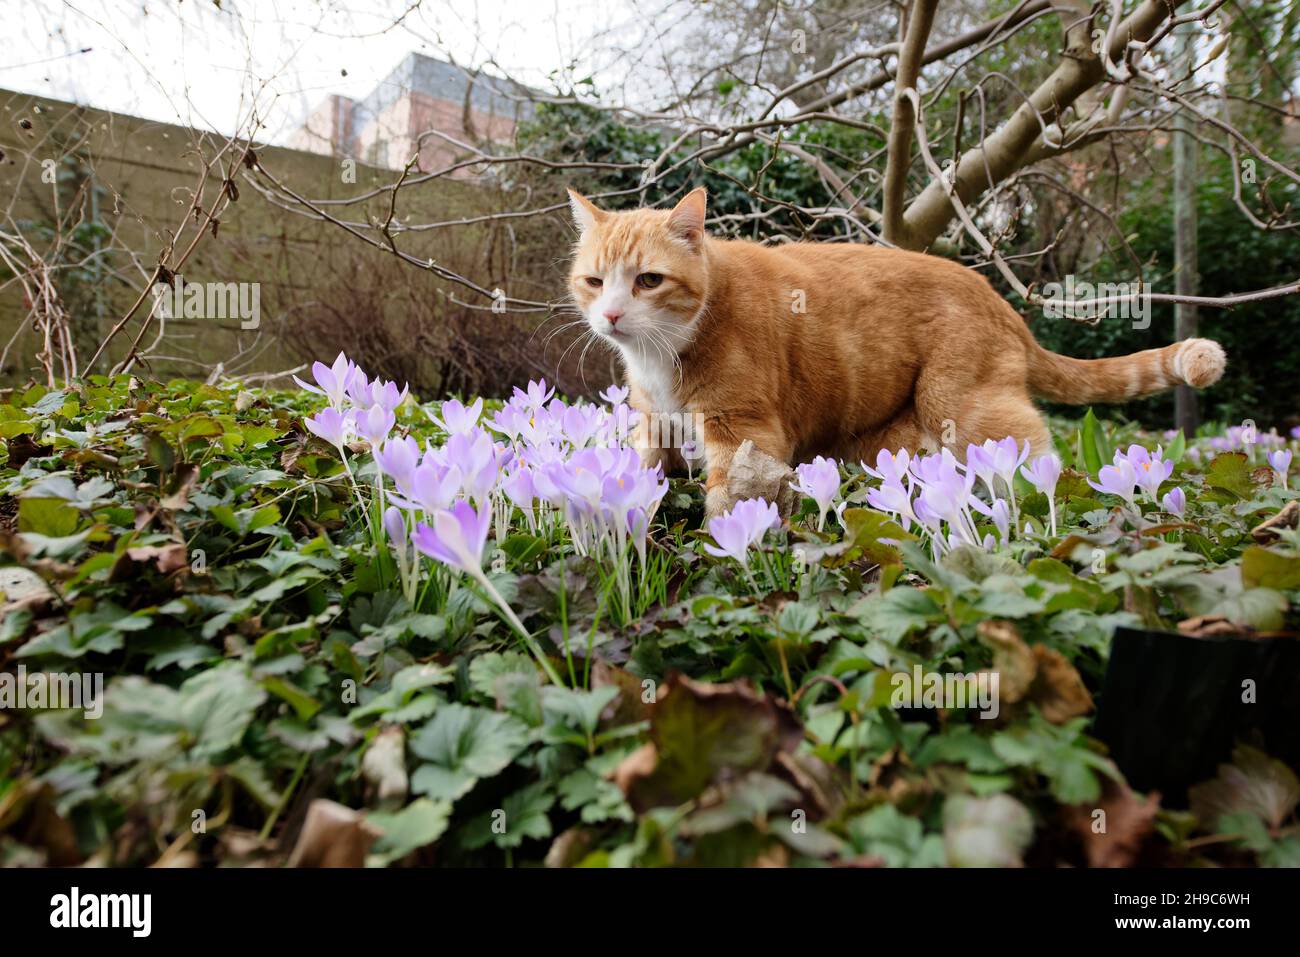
(716,502)
(652,457)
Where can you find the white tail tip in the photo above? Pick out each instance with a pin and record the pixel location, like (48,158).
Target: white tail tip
(1200,362)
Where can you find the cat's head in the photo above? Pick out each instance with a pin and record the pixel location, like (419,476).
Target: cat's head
(641,277)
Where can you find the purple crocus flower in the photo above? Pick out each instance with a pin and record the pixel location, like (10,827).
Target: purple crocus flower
(537,394)
(581,478)
(692,451)
(358,389)
(398,459)
(455,536)
(1043,473)
(893,499)
(395,526)
(457,417)
(615,394)
(1000,459)
(364,393)
(620,491)
(1118,479)
(1174,502)
(737,530)
(1007,457)
(581,422)
(618,425)
(509,420)
(519,488)
(890,466)
(1149,470)
(638,525)
(430,487)
(1001,515)
(374,424)
(1280,460)
(387,394)
(477,459)
(820,481)
(332,380)
(331,425)
(979,460)
(939,468)
(947,497)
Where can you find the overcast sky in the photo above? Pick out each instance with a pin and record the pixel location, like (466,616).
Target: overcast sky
(189,62)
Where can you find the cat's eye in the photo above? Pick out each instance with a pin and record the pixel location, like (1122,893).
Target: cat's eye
(648,280)
(595,282)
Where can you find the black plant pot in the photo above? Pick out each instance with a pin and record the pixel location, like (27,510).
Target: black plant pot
(1171,706)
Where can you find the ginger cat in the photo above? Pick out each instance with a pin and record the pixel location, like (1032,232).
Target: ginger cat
(836,349)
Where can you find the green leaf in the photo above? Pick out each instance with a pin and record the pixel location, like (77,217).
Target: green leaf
(1093,446)
(462,744)
(898,839)
(1252,783)
(599,799)
(52,517)
(1260,608)
(485,671)
(522,816)
(901,610)
(49,403)
(705,733)
(263,517)
(1177,448)
(301,702)
(1267,568)
(579,709)
(417,825)
(1058,752)
(960,745)
(217,705)
(865,529)
(1230,471)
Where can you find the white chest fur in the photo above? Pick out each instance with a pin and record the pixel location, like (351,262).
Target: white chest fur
(670,424)
(654,375)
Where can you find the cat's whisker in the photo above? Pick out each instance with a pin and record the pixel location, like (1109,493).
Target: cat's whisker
(653,339)
(570,314)
(582,369)
(569,348)
(555,332)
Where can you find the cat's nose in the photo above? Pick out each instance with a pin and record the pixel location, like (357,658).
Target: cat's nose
(613,315)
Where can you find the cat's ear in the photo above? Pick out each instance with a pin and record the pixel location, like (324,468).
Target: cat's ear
(686,221)
(585,213)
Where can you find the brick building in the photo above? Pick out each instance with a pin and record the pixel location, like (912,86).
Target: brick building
(423,94)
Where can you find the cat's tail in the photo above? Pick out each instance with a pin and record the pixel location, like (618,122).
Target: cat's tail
(1195,362)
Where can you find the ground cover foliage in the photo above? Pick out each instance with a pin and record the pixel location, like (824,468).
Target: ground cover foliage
(485,656)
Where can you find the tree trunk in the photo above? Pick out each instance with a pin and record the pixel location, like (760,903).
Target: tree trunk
(1186,413)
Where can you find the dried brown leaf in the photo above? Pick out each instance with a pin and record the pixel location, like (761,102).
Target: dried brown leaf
(333,836)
